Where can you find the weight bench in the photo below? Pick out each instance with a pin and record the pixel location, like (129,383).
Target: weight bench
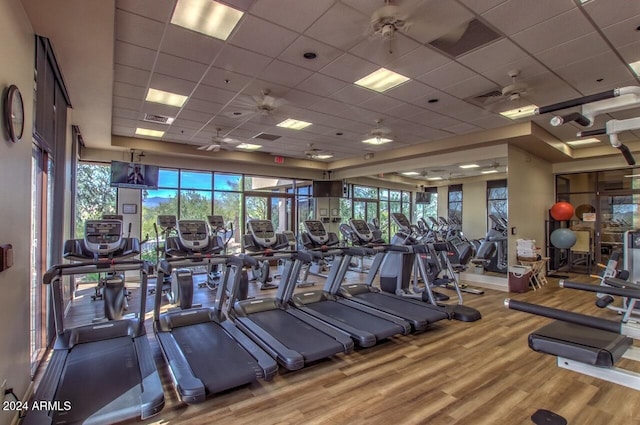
(584,344)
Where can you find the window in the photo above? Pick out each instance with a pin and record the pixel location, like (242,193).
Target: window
(454,206)
(497,200)
(427,209)
(94,194)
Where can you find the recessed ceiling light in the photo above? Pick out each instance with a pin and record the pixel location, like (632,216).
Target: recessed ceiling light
(521,112)
(248,146)
(636,67)
(309,55)
(410,173)
(165,97)
(149,132)
(377,141)
(469,166)
(434,178)
(207,17)
(434,100)
(489,171)
(583,142)
(381,80)
(293,124)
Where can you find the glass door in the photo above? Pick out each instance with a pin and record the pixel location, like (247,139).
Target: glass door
(617,213)
(278,209)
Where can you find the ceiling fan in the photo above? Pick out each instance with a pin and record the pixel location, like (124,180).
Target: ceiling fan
(378,135)
(424,20)
(219,142)
(512,92)
(247,107)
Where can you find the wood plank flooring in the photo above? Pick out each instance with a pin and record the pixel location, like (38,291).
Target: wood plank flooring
(454,373)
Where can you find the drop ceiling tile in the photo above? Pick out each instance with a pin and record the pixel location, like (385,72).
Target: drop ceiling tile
(159,109)
(353,94)
(433,119)
(192,45)
(583,74)
(124,122)
(341,27)
(322,85)
(125,113)
(213,94)
(191,115)
(631,52)
(496,55)
(301,98)
(159,10)
(329,106)
(510,17)
(573,51)
(236,59)
(604,13)
(135,29)
(381,103)
(174,66)
(171,84)
(552,32)
(418,62)
(128,90)
(404,110)
(470,87)
(224,79)
(134,56)
(409,91)
(462,128)
(193,125)
(294,53)
(284,73)
(623,33)
(129,75)
(203,106)
(122,131)
(481,6)
(261,36)
(293,14)
(349,68)
(446,74)
(381,51)
(528,69)
(126,103)
(492,121)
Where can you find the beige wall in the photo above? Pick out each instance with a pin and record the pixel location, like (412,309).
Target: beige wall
(17,51)
(531,194)
(474,209)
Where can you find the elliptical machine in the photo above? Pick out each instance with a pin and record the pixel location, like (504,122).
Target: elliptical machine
(103,241)
(315,236)
(224,235)
(262,237)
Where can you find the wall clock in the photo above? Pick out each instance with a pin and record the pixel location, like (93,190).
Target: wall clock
(14,113)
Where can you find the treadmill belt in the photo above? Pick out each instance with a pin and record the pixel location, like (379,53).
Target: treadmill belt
(216,358)
(357,319)
(403,308)
(99,379)
(296,334)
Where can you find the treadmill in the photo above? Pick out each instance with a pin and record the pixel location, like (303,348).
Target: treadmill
(293,338)
(418,314)
(205,353)
(105,370)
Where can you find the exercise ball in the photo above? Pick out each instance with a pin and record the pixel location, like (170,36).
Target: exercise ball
(562,211)
(563,238)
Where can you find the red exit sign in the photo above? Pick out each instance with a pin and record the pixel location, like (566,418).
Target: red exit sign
(278,159)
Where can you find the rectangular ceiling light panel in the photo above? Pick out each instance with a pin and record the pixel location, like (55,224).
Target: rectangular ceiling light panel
(165,97)
(524,111)
(207,17)
(583,142)
(248,146)
(377,141)
(149,132)
(381,80)
(292,124)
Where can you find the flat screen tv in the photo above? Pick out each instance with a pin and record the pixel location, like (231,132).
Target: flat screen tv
(328,189)
(423,197)
(133,175)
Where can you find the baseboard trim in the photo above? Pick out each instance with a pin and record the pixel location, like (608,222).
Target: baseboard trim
(25,399)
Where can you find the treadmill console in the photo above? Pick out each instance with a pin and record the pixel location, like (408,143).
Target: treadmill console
(262,232)
(316,231)
(103,236)
(167,221)
(112,217)
(362,229)
(193,234)
(402,221)
(216,222)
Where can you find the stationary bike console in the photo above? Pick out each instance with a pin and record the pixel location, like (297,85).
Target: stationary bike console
(102,240)
(361,228)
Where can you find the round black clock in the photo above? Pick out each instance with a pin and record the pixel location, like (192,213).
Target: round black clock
(14,113)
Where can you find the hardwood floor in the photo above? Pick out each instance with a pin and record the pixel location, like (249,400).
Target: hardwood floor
(454,373)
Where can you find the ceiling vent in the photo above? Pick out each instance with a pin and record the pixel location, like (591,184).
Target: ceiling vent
(267,136)
(485,99)
(160,119)
(476,35)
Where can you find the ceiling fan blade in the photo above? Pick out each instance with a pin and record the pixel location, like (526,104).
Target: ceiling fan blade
(203,147)
(434,19)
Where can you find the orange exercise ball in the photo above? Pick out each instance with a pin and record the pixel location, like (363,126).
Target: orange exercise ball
(562,211)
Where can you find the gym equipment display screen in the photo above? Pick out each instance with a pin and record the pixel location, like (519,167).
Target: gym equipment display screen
(133,175)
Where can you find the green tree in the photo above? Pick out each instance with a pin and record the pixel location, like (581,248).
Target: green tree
(94,195)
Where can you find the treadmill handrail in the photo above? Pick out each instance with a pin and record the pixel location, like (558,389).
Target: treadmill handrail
(100,265)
